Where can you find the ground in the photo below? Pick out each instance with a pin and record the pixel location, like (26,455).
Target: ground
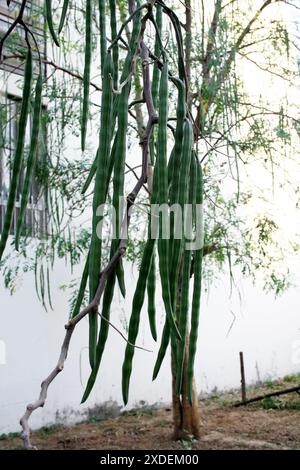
(270,424)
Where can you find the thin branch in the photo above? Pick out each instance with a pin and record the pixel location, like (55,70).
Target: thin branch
(292,5)
(55,66)
(132,170)
(224,71)
(122,335)
(207,62)
(267,69)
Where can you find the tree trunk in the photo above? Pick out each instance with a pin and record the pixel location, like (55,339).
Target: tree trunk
(186,417)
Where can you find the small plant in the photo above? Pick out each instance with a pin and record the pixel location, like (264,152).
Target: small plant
(10,435)
(269,383)
(51,429)
(292,405)
(187,442)
(143,411)
(291,378)
(272,403)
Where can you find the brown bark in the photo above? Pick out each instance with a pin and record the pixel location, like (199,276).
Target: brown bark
(186,417)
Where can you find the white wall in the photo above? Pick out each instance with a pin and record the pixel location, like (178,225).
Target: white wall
(266,330)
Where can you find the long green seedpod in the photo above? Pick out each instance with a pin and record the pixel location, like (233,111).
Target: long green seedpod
(133,45)
(174,173)
(121,277)
(49,288)
(102,25)
(36,276)
(171,166)
(198,255)
(184,300)
(151,297)
(182,199)
(177,244)
(82,287)
(63,15)
(125,72)
(162,349)
(177,152)
(118,179)
(50,21)
(121,147)
(42,286)
(18,158)
(91,174)
(161,163)
(166,330)
(177,28)
(139,294)
(70,249)
(119,267)
(155,76)
(133,13)
(87,71)
(174,166)
(137,304)
(151,281)
(113,27)
(119,167)
(93,168)
(31,157)
(156,72)
(100,192)
(104,328)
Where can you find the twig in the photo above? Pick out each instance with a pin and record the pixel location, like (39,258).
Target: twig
(55,66)
(121,334)
(132,170)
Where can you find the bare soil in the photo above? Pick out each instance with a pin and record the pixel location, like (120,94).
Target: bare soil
(223,427)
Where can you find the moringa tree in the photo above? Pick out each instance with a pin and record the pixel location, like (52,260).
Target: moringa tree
(150,53)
